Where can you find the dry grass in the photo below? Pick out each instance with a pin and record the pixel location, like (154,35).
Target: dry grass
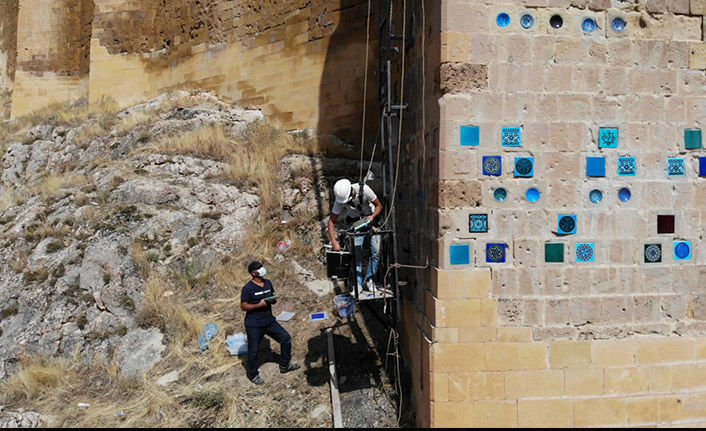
(11,197)
(54,186)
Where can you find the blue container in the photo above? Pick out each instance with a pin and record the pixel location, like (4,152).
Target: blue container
(345,305)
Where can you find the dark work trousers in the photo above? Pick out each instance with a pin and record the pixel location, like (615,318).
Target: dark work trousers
(275,331)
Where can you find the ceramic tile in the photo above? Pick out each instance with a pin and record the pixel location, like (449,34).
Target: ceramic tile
(692,139)
(665,224)
(511,136)
(460,254)
(470,136)
(524,167)
(495,253)
(492,165)
(585,252)
(554,252)
(627,166)
(567,224)
(653,253)
(676,167)
(682,250)
(702,166)
(608,138)
(595,166)
(478,223)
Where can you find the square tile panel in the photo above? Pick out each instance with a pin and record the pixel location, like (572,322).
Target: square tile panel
(692,139)
(478,223)
(492,165)
(512,136)
(495,253)
(566,224)
(524,167)
(653,253)
(470,136)
(665,224)
(585,252)
(702,166)
(676,167)
(627,166)
(682,250)
(460,254)
(554,252)
(595,166)
(608,138)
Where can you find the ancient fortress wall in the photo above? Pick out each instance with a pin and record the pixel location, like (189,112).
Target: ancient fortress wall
(292,59)
(570,307)
(8,42)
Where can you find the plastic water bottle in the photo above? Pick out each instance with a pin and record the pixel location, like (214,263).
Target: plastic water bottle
(208,334)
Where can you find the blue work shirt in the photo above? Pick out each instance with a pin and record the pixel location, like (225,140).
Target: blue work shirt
(253,294)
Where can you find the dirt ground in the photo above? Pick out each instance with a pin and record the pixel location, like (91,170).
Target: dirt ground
(303,398)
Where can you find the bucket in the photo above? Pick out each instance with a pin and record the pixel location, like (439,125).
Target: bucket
(338,264)
(345,305)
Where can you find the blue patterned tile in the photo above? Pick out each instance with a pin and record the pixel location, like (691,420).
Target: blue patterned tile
(567,224)
(460,254)
(524,167)
(608,138)
(702,166)
(627,166)
(495,253)
(492,165)
(595,166)
(653,253)
(478,223)
(682,250)
(470,136)
(512,136)
(676,167)
(585,252)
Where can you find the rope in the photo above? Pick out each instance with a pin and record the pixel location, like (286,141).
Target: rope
(365,93)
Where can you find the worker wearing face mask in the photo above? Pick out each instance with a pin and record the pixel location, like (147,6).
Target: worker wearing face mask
(256,300)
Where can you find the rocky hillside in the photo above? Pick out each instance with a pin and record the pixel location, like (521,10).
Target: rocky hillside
(124,231)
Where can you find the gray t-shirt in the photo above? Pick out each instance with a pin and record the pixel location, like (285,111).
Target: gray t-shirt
(352,208)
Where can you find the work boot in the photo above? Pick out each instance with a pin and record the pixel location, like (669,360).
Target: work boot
(256,379)
(292,366)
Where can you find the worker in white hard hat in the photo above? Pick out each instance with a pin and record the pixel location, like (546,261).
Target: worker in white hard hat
(357,206)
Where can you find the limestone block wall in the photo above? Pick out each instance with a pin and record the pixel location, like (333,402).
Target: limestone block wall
(302,62)
(52,52)
(594,320)
(8,42)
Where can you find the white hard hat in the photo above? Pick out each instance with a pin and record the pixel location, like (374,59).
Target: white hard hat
(342,190)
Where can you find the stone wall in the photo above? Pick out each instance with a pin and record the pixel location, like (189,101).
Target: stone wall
(301,62)
(533,325)
(52,52)
(8,42)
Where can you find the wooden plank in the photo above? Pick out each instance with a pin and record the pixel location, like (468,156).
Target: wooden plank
(335,399)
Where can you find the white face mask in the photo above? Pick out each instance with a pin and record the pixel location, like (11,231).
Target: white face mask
(262,271)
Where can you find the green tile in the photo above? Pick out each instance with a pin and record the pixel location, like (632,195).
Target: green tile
(553,252)
(692,139)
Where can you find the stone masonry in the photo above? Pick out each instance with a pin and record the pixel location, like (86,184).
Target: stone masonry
(302,62)
(529,321)
(568,305)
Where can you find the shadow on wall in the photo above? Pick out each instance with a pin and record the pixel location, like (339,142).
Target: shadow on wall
(341,95)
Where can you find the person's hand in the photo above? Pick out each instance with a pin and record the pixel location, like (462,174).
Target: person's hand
(371,218)
(262,303)
(270,301)
(336,246)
